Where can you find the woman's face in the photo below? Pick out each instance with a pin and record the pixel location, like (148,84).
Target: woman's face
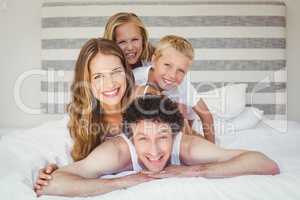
(108,79)
(129,38)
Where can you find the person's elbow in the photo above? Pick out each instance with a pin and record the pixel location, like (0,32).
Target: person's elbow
(273,168)
(269,167)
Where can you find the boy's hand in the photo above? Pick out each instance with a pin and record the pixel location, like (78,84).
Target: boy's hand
(141,90)
(183,110)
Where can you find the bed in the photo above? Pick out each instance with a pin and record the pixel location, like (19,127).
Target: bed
(23,152)
(235,42)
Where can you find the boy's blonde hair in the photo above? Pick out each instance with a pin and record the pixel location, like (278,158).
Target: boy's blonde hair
(121,18)
(179,43)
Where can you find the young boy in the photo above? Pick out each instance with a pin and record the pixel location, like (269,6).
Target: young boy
(157,144)
(171,61)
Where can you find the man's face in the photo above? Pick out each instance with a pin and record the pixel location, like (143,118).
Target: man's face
(170,68)
(153,143)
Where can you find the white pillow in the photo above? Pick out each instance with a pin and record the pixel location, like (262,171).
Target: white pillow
(248,118)
(226,102)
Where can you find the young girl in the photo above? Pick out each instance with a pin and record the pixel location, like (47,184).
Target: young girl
(129,32)
(102,87)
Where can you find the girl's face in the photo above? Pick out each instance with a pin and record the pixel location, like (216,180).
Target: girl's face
(108,79)
(129,38)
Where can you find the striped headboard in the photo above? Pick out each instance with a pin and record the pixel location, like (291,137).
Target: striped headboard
(235,42)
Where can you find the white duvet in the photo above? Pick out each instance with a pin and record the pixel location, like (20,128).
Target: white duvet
(23,153)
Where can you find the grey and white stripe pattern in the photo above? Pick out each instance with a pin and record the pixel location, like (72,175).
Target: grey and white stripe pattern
(235,42)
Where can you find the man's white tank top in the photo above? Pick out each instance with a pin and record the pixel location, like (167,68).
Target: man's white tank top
(175,160)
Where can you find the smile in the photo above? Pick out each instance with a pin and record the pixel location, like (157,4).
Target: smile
(168,81)
(155,160)
(130,55)
(112,93)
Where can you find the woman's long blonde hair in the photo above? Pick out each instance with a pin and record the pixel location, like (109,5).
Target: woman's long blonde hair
(123,18)
(86,124)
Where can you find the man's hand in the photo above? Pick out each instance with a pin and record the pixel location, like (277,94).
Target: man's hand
(176,171)
(135,179)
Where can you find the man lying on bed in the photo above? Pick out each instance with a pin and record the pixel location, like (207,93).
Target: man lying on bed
(157,149)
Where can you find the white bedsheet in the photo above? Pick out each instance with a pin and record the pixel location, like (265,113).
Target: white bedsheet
(23,153)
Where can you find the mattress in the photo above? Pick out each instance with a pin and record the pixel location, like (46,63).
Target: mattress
(23,153)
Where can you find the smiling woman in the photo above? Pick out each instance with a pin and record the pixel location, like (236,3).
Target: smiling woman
(101,89)
(108,81)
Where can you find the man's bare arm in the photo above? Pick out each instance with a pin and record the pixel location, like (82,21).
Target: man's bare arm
(80,178)
(68,184)
(209,160)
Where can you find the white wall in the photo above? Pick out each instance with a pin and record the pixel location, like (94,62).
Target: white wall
(293,58)
(20,51)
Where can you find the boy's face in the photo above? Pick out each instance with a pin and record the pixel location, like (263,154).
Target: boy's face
(153,143)
(170,68)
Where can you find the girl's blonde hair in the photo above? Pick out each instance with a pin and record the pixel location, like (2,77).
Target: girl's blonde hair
(86,124)
(179,43)
(127,17)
